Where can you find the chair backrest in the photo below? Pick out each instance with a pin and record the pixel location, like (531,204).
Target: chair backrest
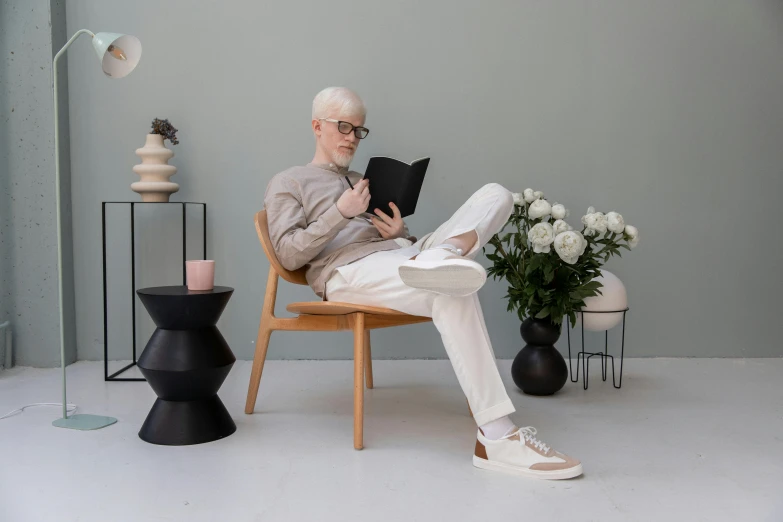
(262,228)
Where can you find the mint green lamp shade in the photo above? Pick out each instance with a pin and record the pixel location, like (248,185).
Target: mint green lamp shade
(119,53)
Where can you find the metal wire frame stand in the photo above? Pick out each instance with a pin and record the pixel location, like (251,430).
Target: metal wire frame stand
(113,376)
(585,356)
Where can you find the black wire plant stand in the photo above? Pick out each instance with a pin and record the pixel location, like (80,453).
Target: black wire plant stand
(113,376)
(585,356)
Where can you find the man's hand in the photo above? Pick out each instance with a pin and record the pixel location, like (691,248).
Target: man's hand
(355,201)
(389,227)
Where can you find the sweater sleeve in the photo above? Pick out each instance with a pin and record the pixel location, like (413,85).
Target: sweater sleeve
(295,242)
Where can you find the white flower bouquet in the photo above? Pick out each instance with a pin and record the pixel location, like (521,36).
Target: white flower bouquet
(548,265)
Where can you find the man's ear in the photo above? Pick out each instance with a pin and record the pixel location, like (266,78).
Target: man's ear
(316,124)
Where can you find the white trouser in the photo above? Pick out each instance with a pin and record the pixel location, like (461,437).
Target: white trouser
(374,280)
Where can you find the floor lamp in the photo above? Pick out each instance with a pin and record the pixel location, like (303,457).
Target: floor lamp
(119,54)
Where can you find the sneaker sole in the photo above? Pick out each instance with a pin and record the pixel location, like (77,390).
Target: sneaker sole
(455,280)
(558,474)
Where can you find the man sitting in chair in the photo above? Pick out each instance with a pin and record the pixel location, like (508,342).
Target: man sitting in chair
(317,221)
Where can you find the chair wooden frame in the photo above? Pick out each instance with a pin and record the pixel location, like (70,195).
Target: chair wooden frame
(320,316)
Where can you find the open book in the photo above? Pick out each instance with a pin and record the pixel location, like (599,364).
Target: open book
(397,181)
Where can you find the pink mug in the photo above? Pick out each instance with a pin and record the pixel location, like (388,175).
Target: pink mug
(200,274)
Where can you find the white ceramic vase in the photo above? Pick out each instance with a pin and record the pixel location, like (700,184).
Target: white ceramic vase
(154,171)
(613,297)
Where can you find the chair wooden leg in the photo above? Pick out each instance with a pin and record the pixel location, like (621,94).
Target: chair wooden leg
(358,380)
(262,340)
(367,359)
(262,344)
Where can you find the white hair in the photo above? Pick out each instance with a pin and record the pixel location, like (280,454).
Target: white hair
(340,99)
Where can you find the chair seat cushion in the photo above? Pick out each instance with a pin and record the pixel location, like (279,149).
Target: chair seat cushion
(336,308)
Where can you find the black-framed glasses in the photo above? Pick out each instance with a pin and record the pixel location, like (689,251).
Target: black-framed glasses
(346,127)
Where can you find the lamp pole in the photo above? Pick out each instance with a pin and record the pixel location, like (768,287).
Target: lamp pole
(57,199)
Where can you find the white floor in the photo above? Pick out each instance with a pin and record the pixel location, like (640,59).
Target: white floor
(683,439)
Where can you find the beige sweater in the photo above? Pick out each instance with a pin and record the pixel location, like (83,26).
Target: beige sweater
(307,229)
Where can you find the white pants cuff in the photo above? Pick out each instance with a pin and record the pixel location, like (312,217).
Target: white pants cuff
(493,413)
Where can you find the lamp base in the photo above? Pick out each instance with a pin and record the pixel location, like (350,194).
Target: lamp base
(83,421)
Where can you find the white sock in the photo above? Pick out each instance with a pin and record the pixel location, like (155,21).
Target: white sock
(495,429)
(438,252)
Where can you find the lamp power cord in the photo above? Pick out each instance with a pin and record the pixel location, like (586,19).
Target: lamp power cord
(70,408)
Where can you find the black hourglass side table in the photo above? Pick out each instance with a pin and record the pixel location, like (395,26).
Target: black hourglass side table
(185,362)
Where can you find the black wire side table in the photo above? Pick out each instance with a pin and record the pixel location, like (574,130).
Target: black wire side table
(585,356)
(132,208)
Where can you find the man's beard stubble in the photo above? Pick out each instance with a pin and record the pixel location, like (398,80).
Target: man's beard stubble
(342,159)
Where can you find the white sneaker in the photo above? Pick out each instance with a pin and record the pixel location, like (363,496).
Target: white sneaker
(451,275)
(520,453)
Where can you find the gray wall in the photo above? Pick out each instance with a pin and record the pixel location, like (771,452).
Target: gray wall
(667,111)
(30,33)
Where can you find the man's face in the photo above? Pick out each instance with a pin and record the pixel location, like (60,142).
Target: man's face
(340,147)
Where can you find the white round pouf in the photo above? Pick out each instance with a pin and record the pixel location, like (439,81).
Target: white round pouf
(614,298)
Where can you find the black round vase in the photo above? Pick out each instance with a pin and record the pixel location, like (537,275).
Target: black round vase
(539,369)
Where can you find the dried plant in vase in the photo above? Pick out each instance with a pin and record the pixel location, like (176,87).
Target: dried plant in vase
(165,129)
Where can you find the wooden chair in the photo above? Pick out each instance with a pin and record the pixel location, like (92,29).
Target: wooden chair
(320,316)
